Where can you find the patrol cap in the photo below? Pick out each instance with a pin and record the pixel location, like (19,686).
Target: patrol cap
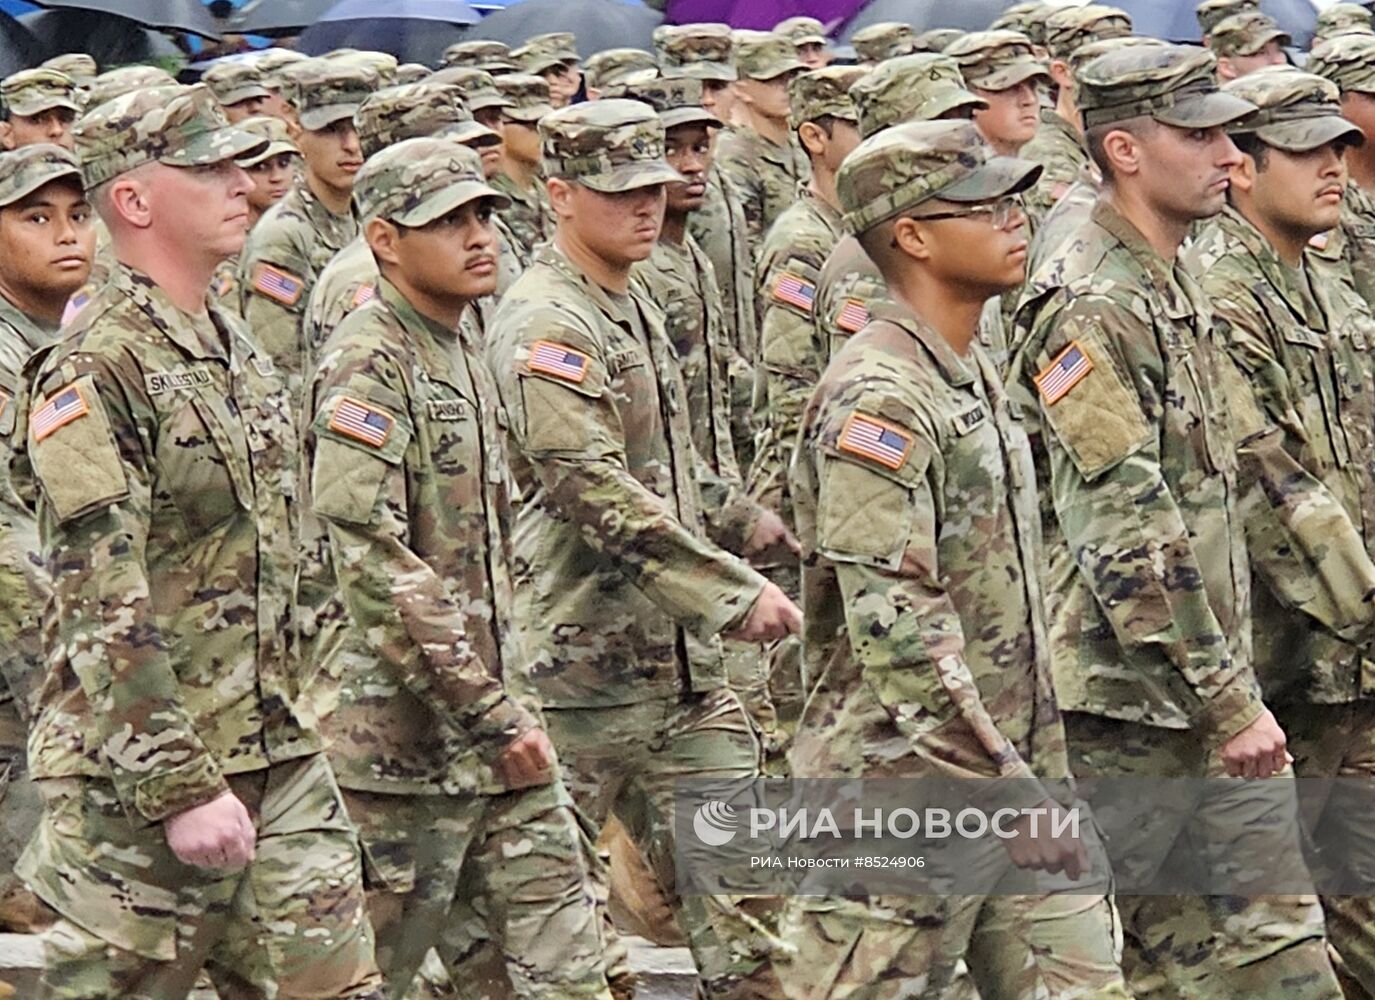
(608,146)
(1340,18)
(529,96)
(1245,34)
(544,52)
(484,54)
(32,91)
(1211,12)
(1346,60)
(382,65)
(677,100)
(1090,51)
(1173,84)
(414,110)
(1028,18)
(126,79)
(81,67)
(996,60)
(885,40)
(619,67)
(478,88)
(704,50)
(412,73)
(26,169)
(323,91)
(175,125)
(802,30)
(235,81)
(937,39)
(762,55)
(1297,111)
(823,93)
(919,87)
(274,132)
(272,62)
(1070,27)
(900,168)
(417,181)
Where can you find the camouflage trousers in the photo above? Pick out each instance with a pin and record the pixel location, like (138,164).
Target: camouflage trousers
(20,804)
(500,886)
(1205,947)
(137,924)
(626,760)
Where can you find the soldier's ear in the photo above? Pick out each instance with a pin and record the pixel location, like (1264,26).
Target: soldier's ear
(1226,70)
(560,197)
(6,135)
(1060,73)
(912,239)
(1243,174)
(382,237)
(1123,152)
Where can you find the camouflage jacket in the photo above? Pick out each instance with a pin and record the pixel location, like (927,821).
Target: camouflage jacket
(1058,148)
(848,290)
(162,453)
(1352,243)
(408,685)
(1063,220)
(916,508)
(719,229)
(627,593)
(285,253)
(527,217)
(1305,348)
(764,175)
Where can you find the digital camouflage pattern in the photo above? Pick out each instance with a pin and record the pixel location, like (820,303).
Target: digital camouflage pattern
(1210,12)
(802,31)
(232,82)
(704,51)
(273,63)
(619,67)
(483,54)
(32,91)
(79,66)
(763,176)
(920,87)
(676,100)
(322,91)
(125,80)
(1341,19)
(544,52)
(1028,18)
(1246,34)
(1173,84)
(414,110)
(1059,148)
(272,130)
(763,55)
(885,40)
(608,146)
(529,96)
(1070,27)
(823,93)
(478,87)
(996,60)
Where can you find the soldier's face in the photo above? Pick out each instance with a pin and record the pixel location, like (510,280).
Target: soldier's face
(333,155)
(1184,173)
(1299,193)
(47,240)
(619,228)
(1011,118)
(767,98)
(1359,109)
(521,141)
(814,55)
(491,155)
(454,257)
(245,109)
(202,211)
(718,97)
(271,180)
(1232,67)
(973,253)
(53,125)
(564,81)
(688,151)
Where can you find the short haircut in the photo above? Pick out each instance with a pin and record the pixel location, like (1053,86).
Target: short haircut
(1095,136)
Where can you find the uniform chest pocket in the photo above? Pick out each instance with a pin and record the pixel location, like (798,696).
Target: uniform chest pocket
(1317,378)
(203,463)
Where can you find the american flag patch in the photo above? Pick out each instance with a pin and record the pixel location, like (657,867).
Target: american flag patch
(278,285)
(58,411)
(75,304)
(1064,373)
(361,422)
(557,360)
(853,316)
(872,438)
(222,286)
(794,291)
(364,295)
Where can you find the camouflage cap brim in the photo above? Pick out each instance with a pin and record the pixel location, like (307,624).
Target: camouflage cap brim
(811,40)
(720,72)
(36,179)
(689,116)
(214,147)
(498,66)
(1002,175)
(1265,38)
(1203,111)
(445,200)
(774,71)
(471,133)
(484,101)
(629,176)
(1010,75)
(266,153)
(542,64)
(950,100)
(1306,134)
(37,105)
(528,115)
(322,117)
(245,93)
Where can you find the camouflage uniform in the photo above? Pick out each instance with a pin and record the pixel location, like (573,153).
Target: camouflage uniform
(627,595)
(1151,619)
(125,80)
(885,40)
(295,238)
(33,91)
(544,52)
(1210,12)
(1029,19)
(609,71)
(426,503)
(162,453)
(232,82)
(1342,19)
(962,683)
(77,65)
(488,56)
(529,215)
(1246,34)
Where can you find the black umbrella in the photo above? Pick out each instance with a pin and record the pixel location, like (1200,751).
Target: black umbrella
(276,18)
(19,48)
(109,40)
(598,24)
(412,30)
(923,15)
(1174,20)
(190,16)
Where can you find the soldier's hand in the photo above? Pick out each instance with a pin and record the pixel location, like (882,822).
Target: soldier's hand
(527,762)
(773,616)
(215,834)
(771,538)
(1258,751)
(1044,852)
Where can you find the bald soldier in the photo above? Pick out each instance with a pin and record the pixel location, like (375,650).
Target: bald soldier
(38,106)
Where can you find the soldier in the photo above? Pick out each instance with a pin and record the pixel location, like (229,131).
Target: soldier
(609,72)
(1211,12)
(946,232)
(520,179)
(627,595)
(1340,19)
(273,64)
(1058,146)
(239,88)
(704,52)
(1303,344)
(293,242)
(486,103)
(38,106)
(1030,20)
(1001,68)
(190,818)
(808,36)
(488,56)
(554,58)
(125,80)
(1244,43)
(79,66)
(1151,617)
(885,40)
(272,170)
(408,73)
(380,66)
(760,159)
(451,780)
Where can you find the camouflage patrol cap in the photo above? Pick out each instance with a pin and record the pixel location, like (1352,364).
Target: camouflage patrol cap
(1071,27)
(824,93)
(382,65)
(619,67)
(1341,18)
(323,91)
(996,60)
(124,80)
(1346,60)
(705,51)
(26,169)
(32,91)
(1090,51)
(273,62)
(1245,34)
(529,96)
(414,110)
(762,55)
(77,65)
(272,130)
(802,30)
(412,73)
(1173,84)
(895,171)
(544,52)
(885,40)
(1028,18)
(174,125)
(919,87)
(484,54)
(937,39)
(478,88)
(235,81)
(608,146)
(1298,111)
(417,181)
(1211,12)
(677,100)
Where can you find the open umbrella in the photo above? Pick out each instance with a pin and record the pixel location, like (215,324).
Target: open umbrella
(598,24)
(109,40)
(190,16)
(412,30)
(761,14)
(1174,20)
(19,48)
(923,15)
(275,18)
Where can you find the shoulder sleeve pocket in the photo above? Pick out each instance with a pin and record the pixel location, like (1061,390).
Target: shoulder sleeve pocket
(73,452)
(358,442)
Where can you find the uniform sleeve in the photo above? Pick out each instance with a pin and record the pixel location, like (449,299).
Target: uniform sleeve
(95,528)
(274,287)
(1118,515)
(399,605)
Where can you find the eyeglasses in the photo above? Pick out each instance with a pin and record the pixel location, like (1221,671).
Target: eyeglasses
(1000,212)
